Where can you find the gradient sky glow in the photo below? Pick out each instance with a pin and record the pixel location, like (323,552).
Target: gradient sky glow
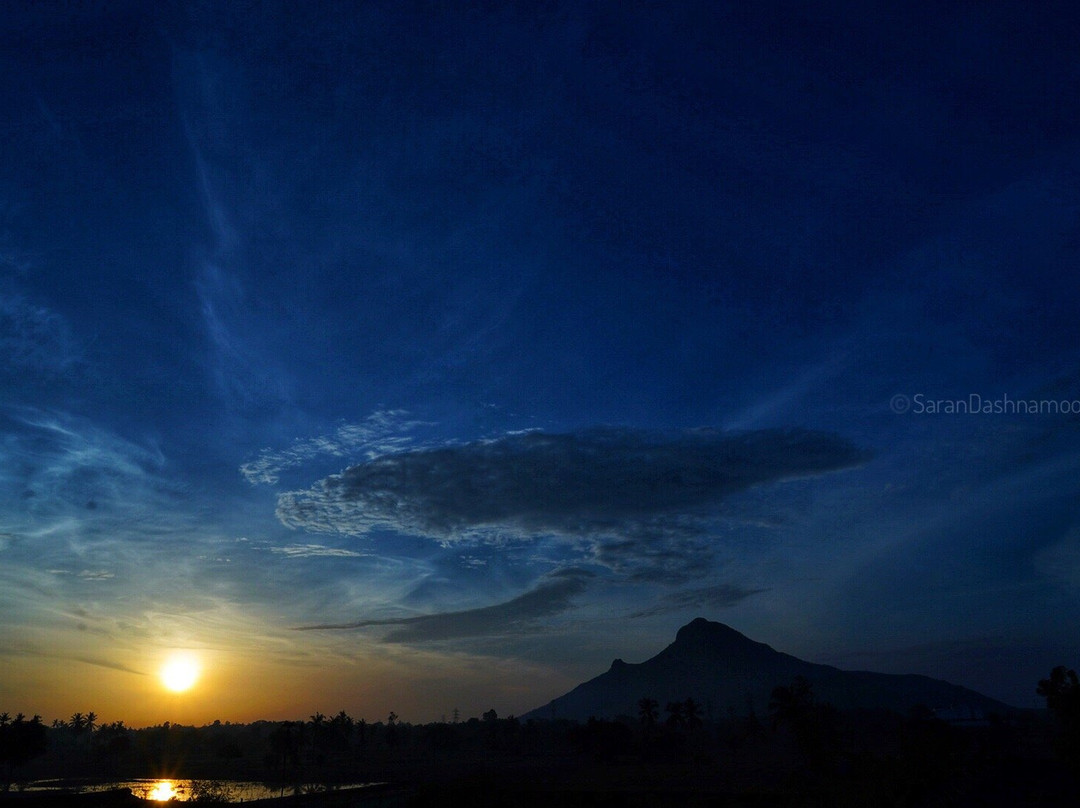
(412,356)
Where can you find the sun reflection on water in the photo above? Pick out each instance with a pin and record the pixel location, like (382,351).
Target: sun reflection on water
(162,791)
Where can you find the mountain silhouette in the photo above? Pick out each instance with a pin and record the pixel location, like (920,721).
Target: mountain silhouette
(725,671)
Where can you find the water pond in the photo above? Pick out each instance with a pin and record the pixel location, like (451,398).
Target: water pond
(179,790)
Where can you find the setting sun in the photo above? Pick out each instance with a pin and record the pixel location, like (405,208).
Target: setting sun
(180,673)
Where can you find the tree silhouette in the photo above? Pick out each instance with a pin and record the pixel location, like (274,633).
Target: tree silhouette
(1061,691)
(1062,694)
(676,717)
(813,724)
(691,711)
(320,737)
(341,730)
(342,721)
(21,740)
(110,742)
(791,704)
(648,712)
(391,729)
(286,742)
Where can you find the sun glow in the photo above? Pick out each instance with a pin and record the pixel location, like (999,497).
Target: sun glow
(180,672)
(163,791)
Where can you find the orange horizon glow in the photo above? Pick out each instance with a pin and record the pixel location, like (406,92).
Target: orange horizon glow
(240,686)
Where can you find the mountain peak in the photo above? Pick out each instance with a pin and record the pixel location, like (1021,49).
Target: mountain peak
(701,630)
(714,664)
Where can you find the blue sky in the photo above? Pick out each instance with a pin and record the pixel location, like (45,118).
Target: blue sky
(420,356)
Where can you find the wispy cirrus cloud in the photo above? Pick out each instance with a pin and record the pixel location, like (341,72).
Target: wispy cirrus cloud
(34,337)
(96,575)
(69,465)
(90,506)
(519,615)
(245,373)
(380,433)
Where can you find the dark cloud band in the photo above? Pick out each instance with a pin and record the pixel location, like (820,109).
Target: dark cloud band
(518,615)
(598,482)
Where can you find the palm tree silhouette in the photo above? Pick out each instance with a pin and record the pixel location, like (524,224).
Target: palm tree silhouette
(391,729)
(648,710)
(691,711)
(675,717)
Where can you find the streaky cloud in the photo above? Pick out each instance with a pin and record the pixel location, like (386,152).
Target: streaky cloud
(719,596)
(96,575)
(102,663)
(516,616)
(315,551)
(17,650)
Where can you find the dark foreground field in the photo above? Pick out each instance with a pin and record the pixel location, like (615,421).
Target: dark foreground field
(633,783)
(824,758)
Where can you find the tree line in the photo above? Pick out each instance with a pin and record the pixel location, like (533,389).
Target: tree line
(919,749)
